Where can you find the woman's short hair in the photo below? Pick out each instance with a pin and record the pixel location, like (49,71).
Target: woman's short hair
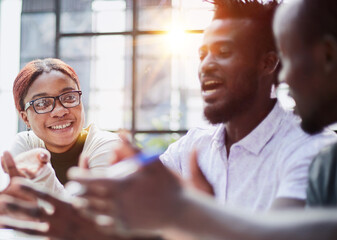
(33,70)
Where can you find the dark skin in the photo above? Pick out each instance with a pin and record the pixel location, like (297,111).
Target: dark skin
(75,227)
(65,222)
(244,73)
(10,167)
(309,68)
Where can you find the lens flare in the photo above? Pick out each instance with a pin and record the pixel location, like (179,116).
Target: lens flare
(176,38)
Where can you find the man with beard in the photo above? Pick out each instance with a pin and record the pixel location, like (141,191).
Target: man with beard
(309,55)
(256,156)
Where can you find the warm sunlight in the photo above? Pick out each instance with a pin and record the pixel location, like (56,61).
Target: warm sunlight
(176,39)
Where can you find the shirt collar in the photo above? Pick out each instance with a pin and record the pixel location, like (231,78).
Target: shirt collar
(258,138)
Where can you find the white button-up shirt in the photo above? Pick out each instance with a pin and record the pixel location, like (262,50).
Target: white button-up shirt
(270,162)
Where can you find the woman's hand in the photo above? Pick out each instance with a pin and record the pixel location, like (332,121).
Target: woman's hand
(26,164)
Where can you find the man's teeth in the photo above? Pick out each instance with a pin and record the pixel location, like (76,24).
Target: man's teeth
(210,91)
(207,93)
(211,82)
(60,126)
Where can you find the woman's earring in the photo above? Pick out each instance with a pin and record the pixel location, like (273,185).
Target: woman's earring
(28,129)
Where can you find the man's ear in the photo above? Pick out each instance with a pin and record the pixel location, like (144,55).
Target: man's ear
(269,63)
(330,53)
(24,117)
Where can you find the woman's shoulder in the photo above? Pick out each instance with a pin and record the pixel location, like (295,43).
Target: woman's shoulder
(28,137)
(24,141)
(98,138)
(99,146)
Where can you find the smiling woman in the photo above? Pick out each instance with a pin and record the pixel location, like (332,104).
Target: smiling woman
(47,96)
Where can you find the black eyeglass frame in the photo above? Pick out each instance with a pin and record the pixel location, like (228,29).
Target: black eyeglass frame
(31,103)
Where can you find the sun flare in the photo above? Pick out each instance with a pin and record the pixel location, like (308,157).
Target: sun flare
(176,38)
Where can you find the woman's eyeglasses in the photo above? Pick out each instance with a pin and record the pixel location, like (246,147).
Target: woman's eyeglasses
(47,104)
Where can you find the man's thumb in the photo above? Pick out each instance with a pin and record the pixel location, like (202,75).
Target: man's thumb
(198,179)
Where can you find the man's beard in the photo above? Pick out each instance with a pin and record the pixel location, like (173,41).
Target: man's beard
(215,116)
(222,112)
(311,127)
(314,120)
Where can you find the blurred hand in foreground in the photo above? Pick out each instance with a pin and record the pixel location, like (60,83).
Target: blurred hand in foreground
(198,179)
(26,164)
(63,222)
(145,200)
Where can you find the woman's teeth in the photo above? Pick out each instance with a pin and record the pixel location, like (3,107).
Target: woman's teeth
(60,126)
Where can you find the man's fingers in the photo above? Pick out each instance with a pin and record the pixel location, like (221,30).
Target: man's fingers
(9,165)
(198,179)
(30,211)
(103,188)
(34,228)
(41,195)
(100,205)
(94,184)
(21,208)
(78,173)
(28,231)
(3,164)
(126,149)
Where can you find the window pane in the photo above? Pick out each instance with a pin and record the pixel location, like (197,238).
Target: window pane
(154,83)
(195,14)
(168,92)
(95,16)
(101,63)
(37,36)
(157,143)
(163,15)
(154,14)
(186,75)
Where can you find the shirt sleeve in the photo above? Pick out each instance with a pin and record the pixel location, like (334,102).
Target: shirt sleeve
(22,143)
(176,157)
(170,158)
(322,186)
(46,177)
(294,174)
(47,180)
(99,148)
